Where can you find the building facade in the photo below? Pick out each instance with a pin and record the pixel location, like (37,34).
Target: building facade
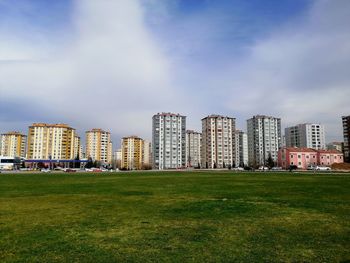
(241,148)
(147,154)
(335,146)
(99,145)
(132,153)
(51,141)
(13,144)
(264,139)
(117,156)
(168,141)
(305,157)
(346,133)
(78,149)
(193,148)
(306,135)
(218,142)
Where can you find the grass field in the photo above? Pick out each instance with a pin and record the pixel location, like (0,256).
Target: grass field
(174,217)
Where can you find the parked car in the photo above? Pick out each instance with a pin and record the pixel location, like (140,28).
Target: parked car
(238,169)
(311,167)
(322,168)
(69,170)
(263,168)
(276,168)
(45,170)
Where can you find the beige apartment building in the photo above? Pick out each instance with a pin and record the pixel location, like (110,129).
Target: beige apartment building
(218,144)
(51,141)
(13,144)
(132,153)
(193,148)
(147,154)
(99,145)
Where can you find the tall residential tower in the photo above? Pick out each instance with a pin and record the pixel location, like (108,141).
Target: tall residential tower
(51,141)
(168,141)
(218,143)
(193,148)
(264,139)
(346,133)
(306,135)
(13,144)
(132,153)
(99,145)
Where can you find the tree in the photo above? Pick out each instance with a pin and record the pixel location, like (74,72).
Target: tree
(269,162)
(89,163)
(214,166)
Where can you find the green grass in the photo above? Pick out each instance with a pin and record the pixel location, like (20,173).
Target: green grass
(175,217)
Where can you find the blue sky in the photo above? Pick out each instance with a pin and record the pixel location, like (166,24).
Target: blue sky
(113,64)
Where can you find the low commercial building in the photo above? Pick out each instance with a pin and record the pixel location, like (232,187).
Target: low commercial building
(305,157)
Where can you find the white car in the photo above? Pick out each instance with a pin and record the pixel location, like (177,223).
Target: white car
(238,169)
(322,168)
(45,170)
(264,168)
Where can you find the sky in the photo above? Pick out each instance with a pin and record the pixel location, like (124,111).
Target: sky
(113,64)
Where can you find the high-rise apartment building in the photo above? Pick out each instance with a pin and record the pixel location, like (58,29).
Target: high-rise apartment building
(132,153)
(99,145)
(241,139)
(168,141)
(118,158)
(13,144)
(346,133)
(306,135)
(77,150)
(147,154)
(218,143)
(335,146)
(51,141)
(193,148)
(264,139)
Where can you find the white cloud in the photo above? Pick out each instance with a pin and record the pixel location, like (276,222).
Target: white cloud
(111,75)
(300,72)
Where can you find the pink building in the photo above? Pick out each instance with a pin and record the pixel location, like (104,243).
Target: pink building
(304,157)
(327,158)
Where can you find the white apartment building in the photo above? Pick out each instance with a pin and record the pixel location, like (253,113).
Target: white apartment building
(51,141)
(99,145)
(309,135)
(218,143)
(193,148)
(13,144)
(117,158)
(264,139)
(241,139)
(168,141)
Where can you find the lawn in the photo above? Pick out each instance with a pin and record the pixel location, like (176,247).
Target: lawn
(175,217)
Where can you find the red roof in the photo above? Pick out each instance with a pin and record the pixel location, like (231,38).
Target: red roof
(294,149)
(329,151)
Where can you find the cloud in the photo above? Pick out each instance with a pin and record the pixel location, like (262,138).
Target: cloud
(300,72)
(111,74)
